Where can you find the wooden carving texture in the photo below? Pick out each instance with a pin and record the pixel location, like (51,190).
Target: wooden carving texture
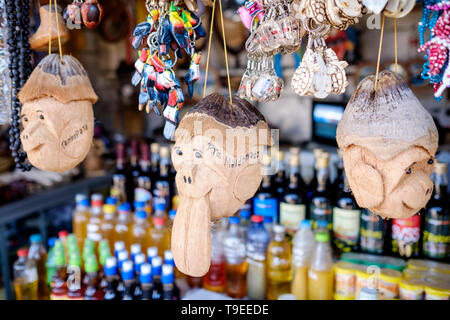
(216,155)
(389,142)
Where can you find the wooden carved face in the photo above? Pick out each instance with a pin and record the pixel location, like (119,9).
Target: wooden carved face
(394,188)
(57,136)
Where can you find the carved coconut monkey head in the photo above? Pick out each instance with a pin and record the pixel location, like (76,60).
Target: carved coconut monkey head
(389,142)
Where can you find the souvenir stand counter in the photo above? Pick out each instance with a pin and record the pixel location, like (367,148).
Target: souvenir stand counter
(224,149)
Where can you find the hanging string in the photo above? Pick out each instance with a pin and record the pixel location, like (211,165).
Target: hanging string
(395,44)
(59,35)
(226,53)
(50,29)
(379,54)
(57,28)
(209,46)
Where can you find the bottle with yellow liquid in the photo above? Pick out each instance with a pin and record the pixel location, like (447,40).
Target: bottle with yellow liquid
(122,229)
(159,235)
(80,218)
(95,219)
(303,247)
(108,223)
(38,254)
(25,277)
(320,273)
(141,230)
(279,269)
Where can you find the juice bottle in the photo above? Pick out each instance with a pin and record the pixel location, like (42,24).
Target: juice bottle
(135,250)
(112,279)
(157,285)
(62,235)
(74,277)
(145,278)
(122,230)
(258,239)
(140,206)
(141,229)
(235,257)
(80,220)
(50,263)
(215,279)
(88,249)
(95,219)
(152,252)
(159,235)
(320,273)
(92,281)
(38,254)
(122,256)
(128,280)
(170,290)
(279,269)
(139,260)
(303,246)
(25,277)
(58,284)
(108,223)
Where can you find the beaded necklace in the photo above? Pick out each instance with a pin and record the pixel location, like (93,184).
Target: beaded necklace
(19,69)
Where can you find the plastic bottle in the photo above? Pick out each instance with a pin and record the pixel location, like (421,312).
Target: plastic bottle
(145,278)
(303,247)
(92,291)
(141,229)
(128,280)
(320,273)
(74,277)
(104,254)
(139,260)
(268,225)
(38,254)
(108,223)
(62,236)
(112,279)
(235,257)
(50,263)
(245,214)
(279,269)
(80,219)
(135,250)
(159,235)
(160,209)
(152,252)
(95,220)
(58,284)
(215,279)
(25,277)
(170,291)
(118,246)
(258,239)
(157,285)
(122,230)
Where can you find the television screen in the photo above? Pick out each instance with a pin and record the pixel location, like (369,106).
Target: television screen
(326,117)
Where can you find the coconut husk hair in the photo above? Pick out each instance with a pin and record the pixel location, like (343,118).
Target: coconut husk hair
(64,81)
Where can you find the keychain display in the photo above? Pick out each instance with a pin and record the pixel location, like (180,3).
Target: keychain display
(436,17)
(168,28)
(84,12)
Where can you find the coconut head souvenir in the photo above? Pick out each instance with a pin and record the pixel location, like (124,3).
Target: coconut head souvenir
(389,142)
(217,153)
(57,115)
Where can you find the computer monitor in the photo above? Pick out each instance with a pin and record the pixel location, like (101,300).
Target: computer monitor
(325,118)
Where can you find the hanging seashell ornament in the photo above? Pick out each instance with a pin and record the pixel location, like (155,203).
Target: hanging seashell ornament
(389,142)
(217,153)
(57,115)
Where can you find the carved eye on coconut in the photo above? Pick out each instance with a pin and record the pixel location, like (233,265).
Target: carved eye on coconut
(92,13)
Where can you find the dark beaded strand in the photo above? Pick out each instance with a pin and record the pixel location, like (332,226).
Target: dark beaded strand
(19,69)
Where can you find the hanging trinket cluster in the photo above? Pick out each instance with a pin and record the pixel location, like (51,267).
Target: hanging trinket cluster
(275,31)
(436,17)
(5,83)
(87,12)
(168,28)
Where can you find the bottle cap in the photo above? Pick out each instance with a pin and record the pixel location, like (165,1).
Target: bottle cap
(111,201)
(109,209)
(154,147)
(22,252)
(51,242)
(164,151)
(90,264)
(234,220)
(80,197)
(172,214)
(257,219)
(83,203)
(111,266)
(145,275)
(156,265)
(158,221)
(305,224)
(167,274)
(75,259)
(35,238)
(322,224)
(124,207)
(139,204)
(127,270)
(135,248)
(141,214)
(63,234)
(122,256)
(119,246)
(159,205)
(138,260)
(245,214)
(168,257)
(97,199)
(151,253)
(322,237)
(278,228)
